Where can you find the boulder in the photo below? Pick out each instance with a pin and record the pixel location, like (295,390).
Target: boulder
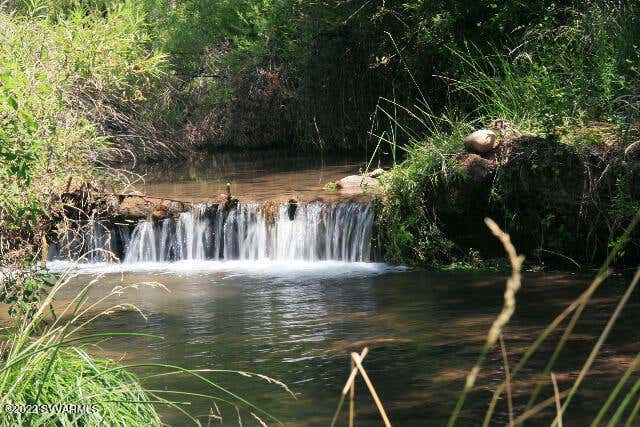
(143,207)
(356,181)
(376,173)
(481,141)
(632,152)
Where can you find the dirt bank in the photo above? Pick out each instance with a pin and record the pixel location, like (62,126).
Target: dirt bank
(561,203)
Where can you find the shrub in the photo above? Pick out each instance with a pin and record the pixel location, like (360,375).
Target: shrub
(572,76)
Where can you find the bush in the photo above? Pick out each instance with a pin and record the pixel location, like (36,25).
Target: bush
(66,81)
(570,79)
(60,78)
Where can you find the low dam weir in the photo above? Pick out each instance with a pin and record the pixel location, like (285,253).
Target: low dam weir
(312,231)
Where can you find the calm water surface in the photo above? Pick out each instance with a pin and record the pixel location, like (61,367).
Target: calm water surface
(298,322)
(253,176)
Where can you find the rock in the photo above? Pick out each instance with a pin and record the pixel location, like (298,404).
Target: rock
(172,208)
(476,167)
(481,141)
(134,207)
(376,173)
(632,152)
(292,207)
(144,207)
(356,181)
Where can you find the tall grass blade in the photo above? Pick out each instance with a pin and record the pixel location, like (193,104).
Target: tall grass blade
(513,285)
(603,336)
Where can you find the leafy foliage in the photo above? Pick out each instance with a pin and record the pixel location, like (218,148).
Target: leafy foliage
(158,78)
(20,154)
(557,62)
(571,75)
(60,76)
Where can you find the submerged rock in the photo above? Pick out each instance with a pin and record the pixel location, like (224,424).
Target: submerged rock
(481,141)
(356,181)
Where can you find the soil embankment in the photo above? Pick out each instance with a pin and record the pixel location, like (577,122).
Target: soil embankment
(559,202)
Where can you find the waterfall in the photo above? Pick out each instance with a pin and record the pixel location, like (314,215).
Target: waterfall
(307,231)
(143,245)
(92,240)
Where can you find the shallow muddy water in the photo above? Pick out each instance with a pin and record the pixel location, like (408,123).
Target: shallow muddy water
(253,177)
(298,321)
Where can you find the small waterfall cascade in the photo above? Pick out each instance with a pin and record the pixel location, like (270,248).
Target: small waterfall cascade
(93,241)
(306,231)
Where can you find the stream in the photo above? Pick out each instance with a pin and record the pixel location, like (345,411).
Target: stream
(291,297)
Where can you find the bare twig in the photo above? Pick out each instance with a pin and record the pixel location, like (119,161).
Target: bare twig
(348,385)
(356,358)
(352,393)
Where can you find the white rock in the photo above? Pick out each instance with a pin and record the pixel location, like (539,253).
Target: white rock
(356,181)
(481,141)
(632,152)
(376,173)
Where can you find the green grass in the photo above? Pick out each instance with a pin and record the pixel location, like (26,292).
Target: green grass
(76,377)
(573,84)
(556,78)
(434,142)
(46,361)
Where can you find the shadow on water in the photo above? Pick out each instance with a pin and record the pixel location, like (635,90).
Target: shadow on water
(424,331)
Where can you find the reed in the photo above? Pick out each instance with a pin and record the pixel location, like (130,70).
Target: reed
(349,388)
(576,307)
(513,285)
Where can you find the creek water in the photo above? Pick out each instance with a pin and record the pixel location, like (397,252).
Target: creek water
(286,300)
(254,176)
(298,322)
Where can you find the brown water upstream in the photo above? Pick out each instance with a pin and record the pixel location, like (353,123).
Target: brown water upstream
(254,177)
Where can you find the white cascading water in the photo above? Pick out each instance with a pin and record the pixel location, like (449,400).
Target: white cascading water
(314,232)
(143,244)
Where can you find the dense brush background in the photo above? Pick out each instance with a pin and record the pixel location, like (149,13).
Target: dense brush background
(86,83)
(162,74)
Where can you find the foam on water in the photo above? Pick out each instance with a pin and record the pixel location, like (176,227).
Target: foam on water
(262,267)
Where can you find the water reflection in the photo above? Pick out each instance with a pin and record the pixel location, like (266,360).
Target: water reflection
(424,331)
(257,176)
